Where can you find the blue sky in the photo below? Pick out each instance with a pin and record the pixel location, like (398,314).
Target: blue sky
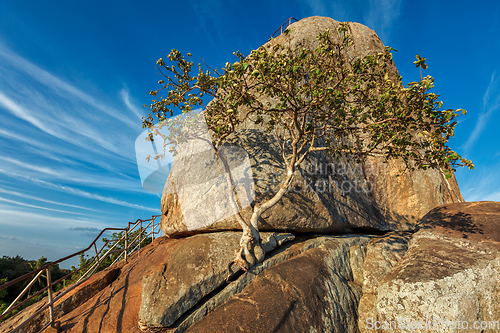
(74,77)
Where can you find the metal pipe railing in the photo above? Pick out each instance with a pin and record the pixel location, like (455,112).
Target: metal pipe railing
(94,264)
(284,25)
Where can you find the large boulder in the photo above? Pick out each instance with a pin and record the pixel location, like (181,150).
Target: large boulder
(328,196)
(446,281)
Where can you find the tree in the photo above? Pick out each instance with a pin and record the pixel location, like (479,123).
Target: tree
(14,267)
(322,100)
(39,284)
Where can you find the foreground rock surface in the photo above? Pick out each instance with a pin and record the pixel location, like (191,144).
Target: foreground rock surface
(189,273)
(328,196)
(68,302)
(447,270)
(116,307)
(312,291)
(449,273)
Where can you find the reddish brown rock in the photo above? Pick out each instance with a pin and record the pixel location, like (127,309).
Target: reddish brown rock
(64,305)
(313,291)
(116,307)
(475,221)
(189,273)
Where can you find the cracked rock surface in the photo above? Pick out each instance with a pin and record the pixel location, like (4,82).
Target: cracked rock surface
(448,269)
(307,287)
(449,273)
(189,273)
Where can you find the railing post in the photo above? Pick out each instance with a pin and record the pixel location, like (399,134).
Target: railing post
(153,217)
(126,243)
(140,239)
(49,286)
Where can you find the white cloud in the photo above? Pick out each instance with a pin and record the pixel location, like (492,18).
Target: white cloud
(59,85)
(64,155)
(37,207)
(61,125)
(381,15)
(26,196)
(124,93)
(493,196)
(29,166)
(488,107)
(63,173)
(28,219)
(93,196)
(378,15)
(84,121)
(317,6)
(18,111)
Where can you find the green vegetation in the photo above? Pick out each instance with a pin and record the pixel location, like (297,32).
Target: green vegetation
(324,99)
(14,267)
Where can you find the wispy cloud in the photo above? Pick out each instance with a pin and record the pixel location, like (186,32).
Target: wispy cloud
(20,112)
(8,238)
(491,102)
(124,93)
(35,245)
(26,196)
(105,199)
(93,196)
(66,174)
(29,166)
(88,231)
(84,229)
(16,217)
(480,184)
(63,111)
(37,207)
(338,10)
(317,6)
(381,15)
(64,125)
(378,15)
(59,85)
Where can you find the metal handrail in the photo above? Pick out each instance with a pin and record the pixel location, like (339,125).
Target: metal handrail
(98,258)
(284,25)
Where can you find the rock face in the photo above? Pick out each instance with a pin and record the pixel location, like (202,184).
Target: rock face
(190,273)
(313,291)
(443,274)
(448,278)
(328,196)
(310,278)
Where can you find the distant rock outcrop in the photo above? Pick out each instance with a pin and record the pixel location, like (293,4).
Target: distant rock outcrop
(328,196)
